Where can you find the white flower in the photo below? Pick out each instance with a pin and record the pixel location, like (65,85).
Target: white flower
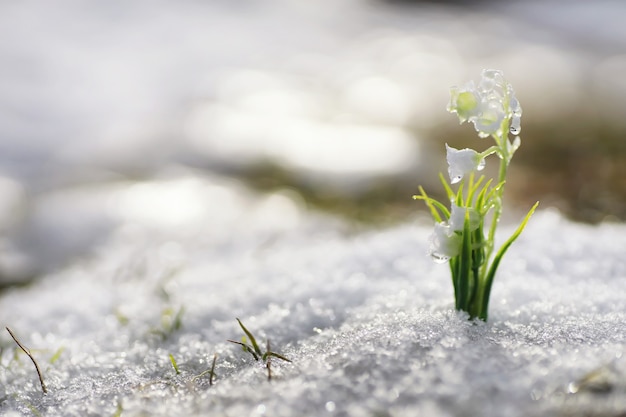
(444,243)
(490,118)
(447,238)
(465,102)
(457,218)
(488,104)
(462,162)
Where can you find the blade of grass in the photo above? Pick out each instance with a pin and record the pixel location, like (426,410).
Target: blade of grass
(277,355)
(247,348)
(174,364)
(27,352)
(210,371)
(251,337)
(268,361)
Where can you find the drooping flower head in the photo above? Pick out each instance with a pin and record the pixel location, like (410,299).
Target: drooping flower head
(487,104)
(444,243)
(462,161)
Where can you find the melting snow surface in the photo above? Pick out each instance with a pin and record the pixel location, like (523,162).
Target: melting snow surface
(366,318)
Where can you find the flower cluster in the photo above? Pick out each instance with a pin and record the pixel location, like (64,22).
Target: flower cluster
(459,235)
(487,105)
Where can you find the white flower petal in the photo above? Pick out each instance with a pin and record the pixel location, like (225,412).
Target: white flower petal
(444,244)
(461,162)
(457,218)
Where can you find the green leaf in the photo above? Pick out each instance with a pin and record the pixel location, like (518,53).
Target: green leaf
(492,192)
(57,355)
(252,339)
(472,189)
(246,348)
(275,355)
(446,187)
(174,364)
(480,200)
(465,264)
(459,195)
(498,258)
(433,205)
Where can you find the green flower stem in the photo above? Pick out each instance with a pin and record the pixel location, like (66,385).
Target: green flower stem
(465,263)
(505,158)
(455,281)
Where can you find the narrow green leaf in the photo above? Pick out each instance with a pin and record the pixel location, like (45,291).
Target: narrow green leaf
(480,200)
(494,190)
(498,258)
(246,348)
(455,280)
(433,205)
(446,187)
(57,355)
(177,324)
(459,195)
(174,364)
(252,339)
(472,189)
(465,263)
(276,355)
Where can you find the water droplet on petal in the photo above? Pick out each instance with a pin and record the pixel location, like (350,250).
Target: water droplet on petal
(515,125)
(439,259)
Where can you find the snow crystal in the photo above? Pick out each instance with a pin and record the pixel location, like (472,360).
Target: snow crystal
(367,320)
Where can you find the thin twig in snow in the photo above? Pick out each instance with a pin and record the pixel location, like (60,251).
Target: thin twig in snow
(27,352)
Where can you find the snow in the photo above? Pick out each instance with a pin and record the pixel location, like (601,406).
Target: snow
(366,318)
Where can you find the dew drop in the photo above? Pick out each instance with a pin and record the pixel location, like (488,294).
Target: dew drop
(515,125)
(439,259)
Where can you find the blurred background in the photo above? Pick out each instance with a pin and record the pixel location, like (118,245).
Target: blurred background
(156,111)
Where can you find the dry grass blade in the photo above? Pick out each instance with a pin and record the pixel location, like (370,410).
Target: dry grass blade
(27,352)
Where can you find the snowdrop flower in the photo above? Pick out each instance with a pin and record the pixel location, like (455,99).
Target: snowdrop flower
(462,162)
(465,102)
(492,107)
(444,243)
(487,105)
(457,218)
